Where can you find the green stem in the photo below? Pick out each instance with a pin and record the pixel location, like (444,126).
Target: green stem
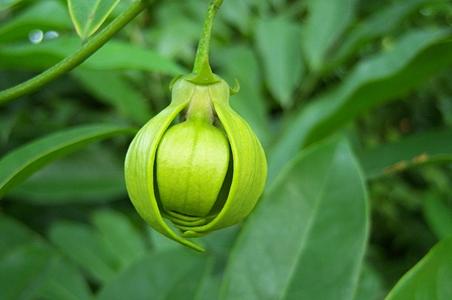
(75,59)
(201,67)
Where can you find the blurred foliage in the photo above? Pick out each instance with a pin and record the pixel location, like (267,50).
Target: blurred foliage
(352,100)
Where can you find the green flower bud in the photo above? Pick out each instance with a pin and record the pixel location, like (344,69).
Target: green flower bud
(197,164)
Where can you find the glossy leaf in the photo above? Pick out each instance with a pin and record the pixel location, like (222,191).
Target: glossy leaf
(416,57)
(430,278)
(285,249)
(120,94)
(114,55)
(88,15)
(24,161)
(173,274)
(325,23)
(279,47)
(418,149)
(88,176)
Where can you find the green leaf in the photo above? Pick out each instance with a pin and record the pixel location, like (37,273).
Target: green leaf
(33,269)
(421,148)
(384,77)
(370,285)
(120,94)
(45,15)
(119,236)
(241,64)
(115,55)
(278,43)
(64,282)
(325,23)
(24,161)
(88,15)
(23,271)
(383,21)
(174,274)
(82,245)
(307,238)
(83,177)
(5,4)
(438,215)
(430,278)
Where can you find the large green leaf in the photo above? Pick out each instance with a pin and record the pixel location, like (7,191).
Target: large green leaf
(45,15)
(325,23)
(278,43)
(415,58)
(89,176)
(120,93)
(307,238)
(421,148)
(174,274)
(88,15)
(115,55)
(24,161)
(430,278)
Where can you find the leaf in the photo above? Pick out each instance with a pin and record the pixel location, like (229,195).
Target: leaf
(119,236)
(64,282)
(115,55)
(120,93)
(24,161)
(45,15)
(173,274)
(430,278)
(88,15)
(414,150)
(83,177)
(370,285)
(325,23)
(82,245)
(381,22)
(438,215)
(278,43)
(31,267)
(384,77)
(23,271)
(5,4)
(285,251)
(240,63)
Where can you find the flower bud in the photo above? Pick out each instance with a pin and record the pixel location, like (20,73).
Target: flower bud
(197,164)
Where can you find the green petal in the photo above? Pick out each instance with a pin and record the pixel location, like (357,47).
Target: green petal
(249,165)
(139,164)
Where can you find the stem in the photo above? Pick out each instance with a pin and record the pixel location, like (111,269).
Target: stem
(201,67)
(70,62)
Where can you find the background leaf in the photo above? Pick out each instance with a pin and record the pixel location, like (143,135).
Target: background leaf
(22,162)
(416,57)
(428,279)
(283,252)
(277,41)
(88,15)
(434,146)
